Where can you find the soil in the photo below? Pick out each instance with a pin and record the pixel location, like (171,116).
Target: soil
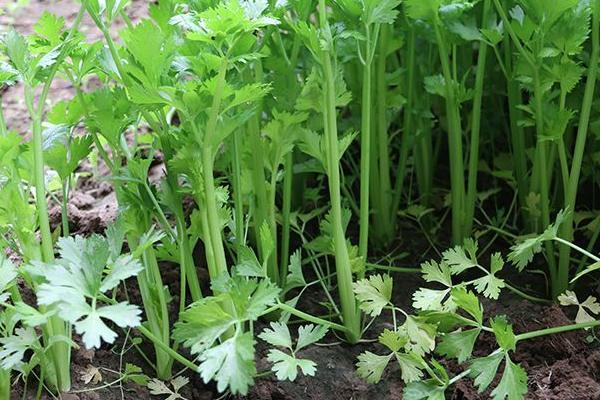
(560,367)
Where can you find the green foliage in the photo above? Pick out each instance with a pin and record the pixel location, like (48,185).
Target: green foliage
(374,293)
(232,125)
(231,362)
(83,273)
(522,254)
(286,365)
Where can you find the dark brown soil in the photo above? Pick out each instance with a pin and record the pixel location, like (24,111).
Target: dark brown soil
(560,367)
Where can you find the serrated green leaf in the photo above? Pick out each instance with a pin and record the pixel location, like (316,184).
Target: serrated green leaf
(309,334)
(286,366)
(8,273)
(522,253)
(425,10)
(410,367)
(489,286)
(504,333)
(429,299)
(374,293)
(467,301)
(50,28)
(277,335)
(14,347)
(484,370)
(17,51)
(65,159)
(230,364)
(434,272)
(295,277)
(513,385)
(424,390)
(458,344)
(122,268)
(202,324)
(267,242)
(421,335)
(371,366)
(84,273)
(458,260)
(248,265)
(393,340)
(151,48)
(590,305)
(30,316)
(381,11)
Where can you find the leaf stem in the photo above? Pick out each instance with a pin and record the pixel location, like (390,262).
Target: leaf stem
(307,317)
(160,344)
(476,127)
(558,329)
(579,249)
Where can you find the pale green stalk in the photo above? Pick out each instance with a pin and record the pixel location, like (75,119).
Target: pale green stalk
(365,149)
(288,179)
(350,311)
(158,317)
(476,128)
(408,130)
(557,329)
(236,161)
(517,132)
(208,174)
(454,140)
(384,217)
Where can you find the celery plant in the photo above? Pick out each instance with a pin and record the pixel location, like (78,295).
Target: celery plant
(330,96)
(580,143)
(109,115)
(34,72)
(369,17)
(549,53)
(449,21)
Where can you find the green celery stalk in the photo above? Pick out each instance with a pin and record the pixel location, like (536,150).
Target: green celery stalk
(476,128)
(288,179)
(365,149)
(350,311)
(208,174)
(408,121)
(517,133)
(455,141)
(236,171)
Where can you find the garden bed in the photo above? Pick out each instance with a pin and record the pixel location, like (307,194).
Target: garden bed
(560,367)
